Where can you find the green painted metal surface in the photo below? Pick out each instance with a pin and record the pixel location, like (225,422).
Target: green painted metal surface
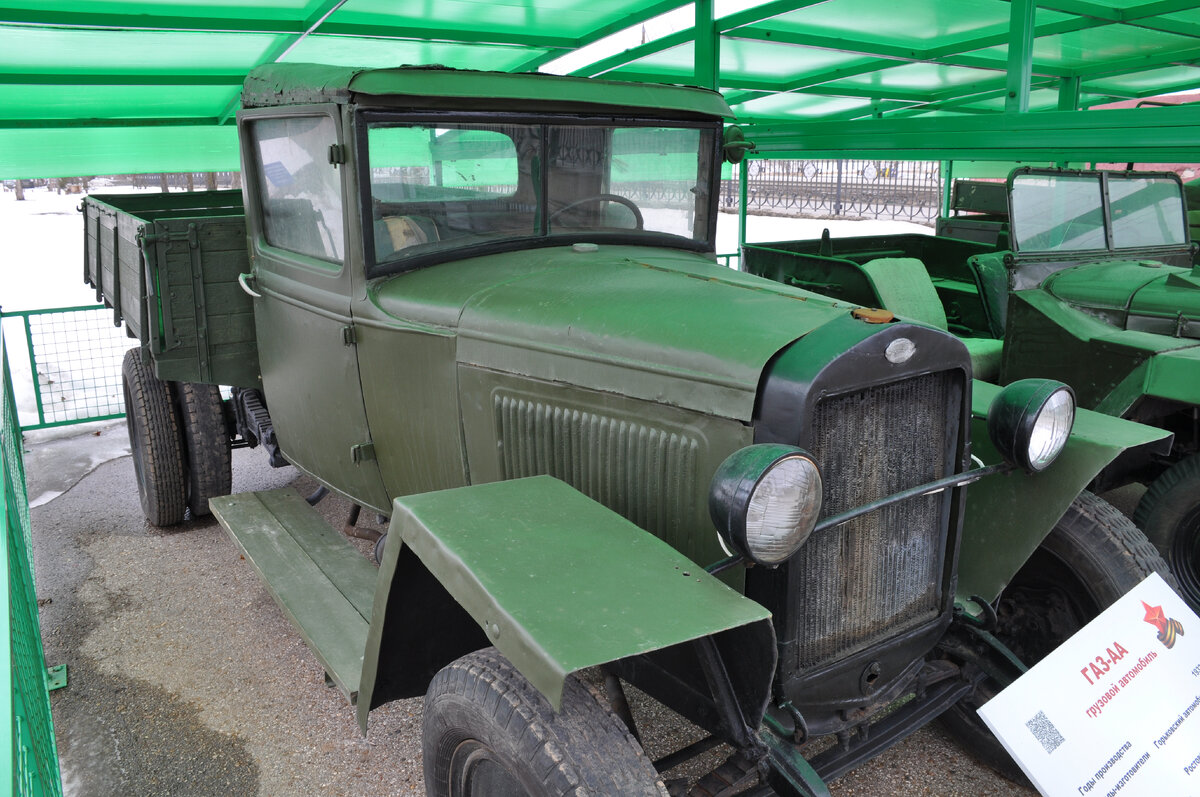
(639,323)
(558,582)
(93,72)
(27,728)
(320,581)
(1008,516)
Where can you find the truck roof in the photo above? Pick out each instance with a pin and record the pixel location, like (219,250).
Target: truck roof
(442,88)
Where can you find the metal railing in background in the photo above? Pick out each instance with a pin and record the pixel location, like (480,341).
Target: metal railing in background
(32,750)
(852,189)
(75,358)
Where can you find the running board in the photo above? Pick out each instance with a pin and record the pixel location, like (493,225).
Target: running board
(320,581)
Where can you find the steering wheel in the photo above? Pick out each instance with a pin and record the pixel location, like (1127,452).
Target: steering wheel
(620,200)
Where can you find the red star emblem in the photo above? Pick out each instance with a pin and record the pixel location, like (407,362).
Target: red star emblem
(1155,616)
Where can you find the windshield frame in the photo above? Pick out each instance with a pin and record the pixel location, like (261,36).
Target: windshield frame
(1103,178)
(365,118)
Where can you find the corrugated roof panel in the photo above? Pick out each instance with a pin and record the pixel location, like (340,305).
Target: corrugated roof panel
(544,18)
(909,78)
(1094,47)
(742,62)
(69,152)
(920,25)
(71,102)
(25,50)
(208,10)
(1173,77)
(798,106)
(63,62)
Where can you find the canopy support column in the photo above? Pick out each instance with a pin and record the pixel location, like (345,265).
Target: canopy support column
(707,48)
(1020,55)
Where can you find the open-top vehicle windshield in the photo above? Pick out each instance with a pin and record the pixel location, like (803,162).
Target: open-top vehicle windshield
(444,189)
(1096,210)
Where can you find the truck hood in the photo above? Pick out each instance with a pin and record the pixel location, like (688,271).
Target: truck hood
(1141,295)
(661,325)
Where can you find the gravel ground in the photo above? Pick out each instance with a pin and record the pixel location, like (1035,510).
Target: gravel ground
(185,679)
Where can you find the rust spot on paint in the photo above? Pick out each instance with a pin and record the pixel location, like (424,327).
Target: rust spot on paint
(873,315)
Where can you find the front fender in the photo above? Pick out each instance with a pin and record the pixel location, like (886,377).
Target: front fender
(556,581)
(1009,515)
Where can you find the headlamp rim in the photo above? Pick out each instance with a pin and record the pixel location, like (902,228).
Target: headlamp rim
(734,485)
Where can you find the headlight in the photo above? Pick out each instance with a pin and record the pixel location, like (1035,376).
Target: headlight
(765,500)
(1030,420)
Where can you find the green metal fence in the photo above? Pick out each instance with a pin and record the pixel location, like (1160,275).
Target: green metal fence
(75,363)
(29,736)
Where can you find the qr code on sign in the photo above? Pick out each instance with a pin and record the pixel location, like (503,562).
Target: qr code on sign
(1045,732)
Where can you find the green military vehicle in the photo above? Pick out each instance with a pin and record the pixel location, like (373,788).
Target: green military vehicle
(487,307)
(1083,276)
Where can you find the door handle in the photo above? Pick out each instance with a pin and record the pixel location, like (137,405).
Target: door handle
(244,281)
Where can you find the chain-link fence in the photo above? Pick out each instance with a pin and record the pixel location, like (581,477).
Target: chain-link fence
(73,356)
(851,189)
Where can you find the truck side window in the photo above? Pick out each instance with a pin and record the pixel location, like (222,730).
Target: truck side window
(300,191)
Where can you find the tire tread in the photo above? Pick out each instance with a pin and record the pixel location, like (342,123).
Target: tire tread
(207,448)
(155,437)
(581,750)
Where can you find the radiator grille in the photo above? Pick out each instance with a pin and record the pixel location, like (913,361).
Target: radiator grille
(644,473)
(879,574)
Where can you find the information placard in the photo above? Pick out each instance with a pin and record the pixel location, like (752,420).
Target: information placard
(1115,710)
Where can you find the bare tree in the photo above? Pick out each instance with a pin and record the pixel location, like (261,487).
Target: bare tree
(20,189)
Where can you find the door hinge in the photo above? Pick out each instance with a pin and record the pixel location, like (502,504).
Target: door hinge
(349,336)
(337,154)
(362,452)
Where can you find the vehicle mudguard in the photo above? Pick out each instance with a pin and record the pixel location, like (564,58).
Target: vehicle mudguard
(1009,515)
(556,581)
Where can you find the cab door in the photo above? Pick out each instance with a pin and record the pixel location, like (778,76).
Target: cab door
(296,222)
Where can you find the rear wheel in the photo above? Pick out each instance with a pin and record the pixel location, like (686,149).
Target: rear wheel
(207,446)
(156,442)
(487,732)
(1092,557)
(1169,513)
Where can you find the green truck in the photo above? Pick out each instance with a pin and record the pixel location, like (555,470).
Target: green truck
(487,307)
(1083,276)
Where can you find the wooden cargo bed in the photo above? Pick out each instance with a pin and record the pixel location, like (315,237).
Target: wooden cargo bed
(167,264)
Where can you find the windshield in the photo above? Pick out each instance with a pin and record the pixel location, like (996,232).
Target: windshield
(1066,212)
(440,187)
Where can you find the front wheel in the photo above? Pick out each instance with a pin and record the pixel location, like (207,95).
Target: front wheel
(487,732)
(1092,557)
(1169,513)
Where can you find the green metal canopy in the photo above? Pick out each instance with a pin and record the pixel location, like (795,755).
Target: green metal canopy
(113,86)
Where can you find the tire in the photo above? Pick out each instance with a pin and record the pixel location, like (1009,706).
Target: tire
(1092,557)
(156,441)
(487,732)
(206,444)
(1169,514)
